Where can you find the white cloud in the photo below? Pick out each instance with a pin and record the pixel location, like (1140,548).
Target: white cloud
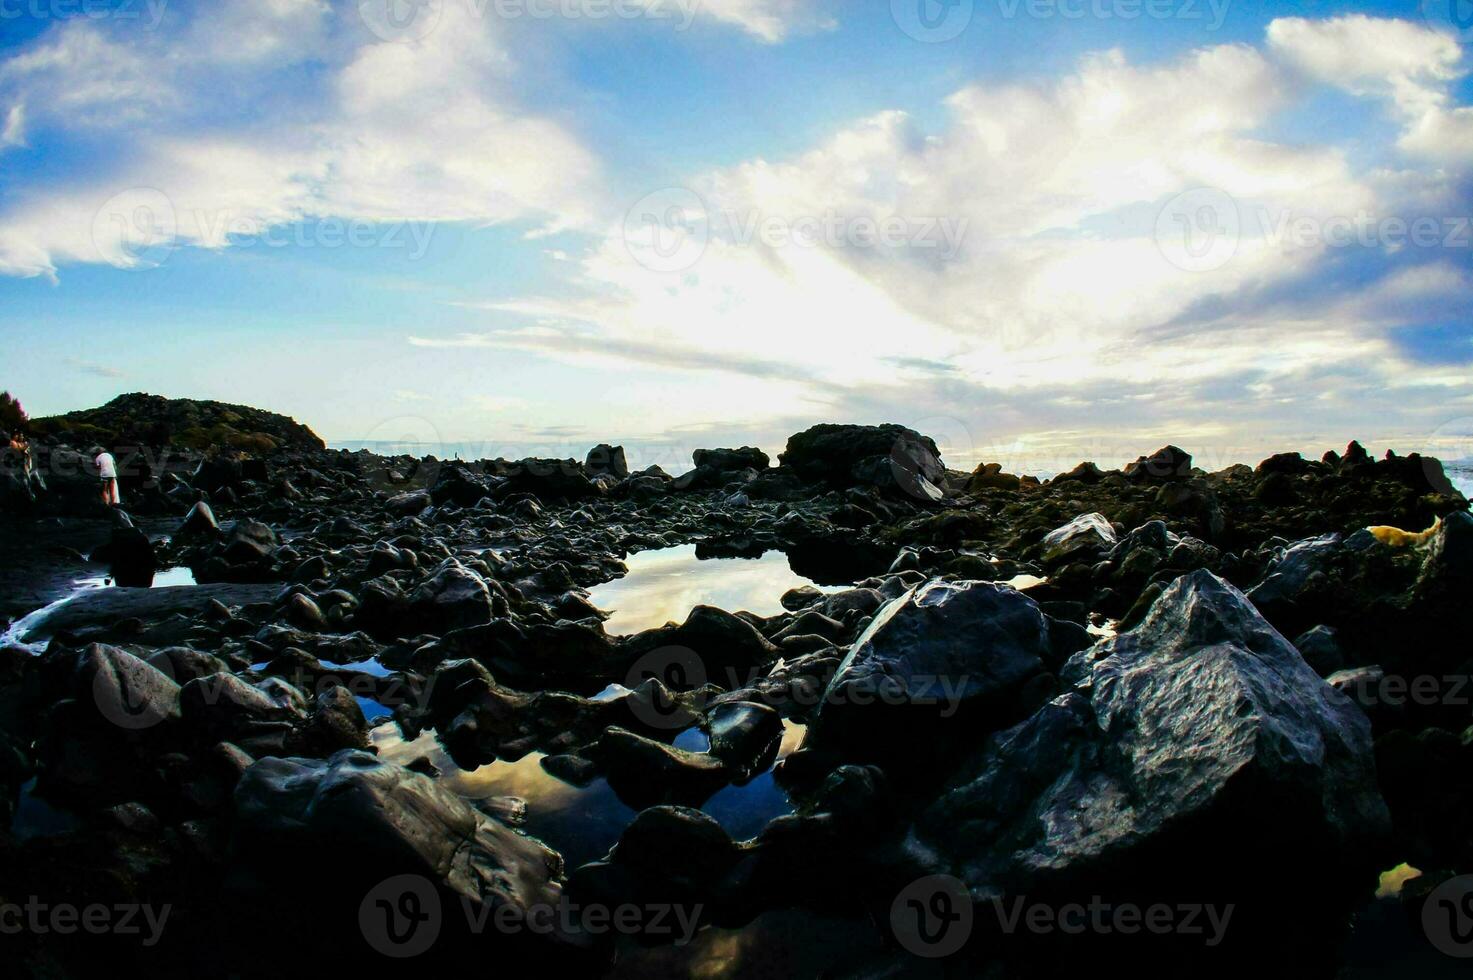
(1408,64)
(1057,188)
(13,133)
(429,131)
(770,20)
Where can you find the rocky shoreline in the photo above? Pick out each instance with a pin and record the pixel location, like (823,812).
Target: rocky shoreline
(1204,697)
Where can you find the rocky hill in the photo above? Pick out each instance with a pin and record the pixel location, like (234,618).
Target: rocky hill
(152,420)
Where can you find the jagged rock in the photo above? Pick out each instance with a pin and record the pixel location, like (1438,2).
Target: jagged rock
(454,597)
(393,821)
(989,476)
(1086,538)
(604,458)
(1167,463)
(1202,724)
(943,650)
(840,454)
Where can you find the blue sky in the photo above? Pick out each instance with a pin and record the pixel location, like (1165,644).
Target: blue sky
(533,225)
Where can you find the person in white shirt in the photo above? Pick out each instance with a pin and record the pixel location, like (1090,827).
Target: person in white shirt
(107,469)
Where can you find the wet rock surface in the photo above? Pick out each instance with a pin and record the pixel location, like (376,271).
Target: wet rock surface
(1047,688)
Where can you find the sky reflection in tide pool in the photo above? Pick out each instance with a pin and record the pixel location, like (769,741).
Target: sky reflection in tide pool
(584,823)
(664,585)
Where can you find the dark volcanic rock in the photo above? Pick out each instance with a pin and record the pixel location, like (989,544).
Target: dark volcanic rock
(1167,463)
(944,650)
(728,460)
(604,458)
(842,454)
(393,821)
(1086,538)
(1203,724)
(150,420)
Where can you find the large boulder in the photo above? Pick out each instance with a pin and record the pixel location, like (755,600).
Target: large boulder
(457,483)
(727,647)
(727,460)
(604,458)
(546,479)
(131,558)
(890,456)
(1167,463)
(1200,732)
(943,652)
(391,821)
(454,597)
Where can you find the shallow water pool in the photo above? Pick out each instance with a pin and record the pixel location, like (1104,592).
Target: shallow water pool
(583,823)
(664,585)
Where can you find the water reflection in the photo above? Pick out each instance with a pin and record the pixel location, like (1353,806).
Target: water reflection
(583,823)
(162,578)
(664,585)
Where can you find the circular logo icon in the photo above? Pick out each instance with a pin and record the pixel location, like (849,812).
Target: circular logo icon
(1450,17)
(400,917)
(128,694)
(136,229)
(401,20)
(1447,918)
(932,916)
(1198,230)
(1452,446)
(668,231)
(932,21)
(678,669)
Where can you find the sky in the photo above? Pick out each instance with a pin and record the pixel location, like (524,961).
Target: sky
(1038,230)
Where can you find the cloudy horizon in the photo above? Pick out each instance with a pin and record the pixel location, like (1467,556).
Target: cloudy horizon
(1038,231)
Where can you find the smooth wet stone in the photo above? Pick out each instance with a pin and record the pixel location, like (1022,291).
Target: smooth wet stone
(200,521)
(743,734)
(647,773)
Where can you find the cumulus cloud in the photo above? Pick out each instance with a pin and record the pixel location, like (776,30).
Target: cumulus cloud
(1051,194)
(1408,64)
(1066,284)
(428,131)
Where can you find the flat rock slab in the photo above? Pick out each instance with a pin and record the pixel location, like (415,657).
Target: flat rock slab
(103,606)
